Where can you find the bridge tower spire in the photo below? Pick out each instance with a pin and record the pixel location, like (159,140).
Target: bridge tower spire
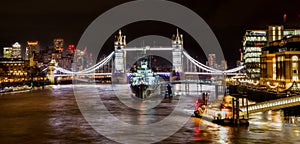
(120,43)
(177,45)
(119,68)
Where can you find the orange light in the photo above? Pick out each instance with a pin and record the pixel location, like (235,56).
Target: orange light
(32,43)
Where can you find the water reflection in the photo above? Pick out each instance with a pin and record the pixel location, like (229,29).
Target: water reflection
(223,135)
(52,116)
(145,117)
(197,129)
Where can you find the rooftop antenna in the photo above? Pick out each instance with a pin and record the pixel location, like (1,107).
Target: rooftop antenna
(284,18)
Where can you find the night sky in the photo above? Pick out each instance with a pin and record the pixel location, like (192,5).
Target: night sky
(45,20)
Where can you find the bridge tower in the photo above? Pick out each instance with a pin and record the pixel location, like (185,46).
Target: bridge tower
(119,69)
(177,45)
(50,74)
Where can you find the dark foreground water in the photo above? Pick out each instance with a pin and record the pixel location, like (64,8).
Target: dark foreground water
(52,116)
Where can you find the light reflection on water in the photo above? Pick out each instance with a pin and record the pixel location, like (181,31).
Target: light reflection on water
(52,116)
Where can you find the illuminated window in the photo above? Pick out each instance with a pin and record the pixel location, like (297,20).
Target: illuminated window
(295,78)
(274,38)
(294,58)
(281,58)
(274,68)
(295,68)
(273,28)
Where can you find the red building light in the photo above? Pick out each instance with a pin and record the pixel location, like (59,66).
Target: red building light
(71,47)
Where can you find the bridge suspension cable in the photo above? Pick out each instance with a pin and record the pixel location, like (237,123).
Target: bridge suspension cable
(89,70)
(99,63)
(209,69)
(110,56)
(200,65)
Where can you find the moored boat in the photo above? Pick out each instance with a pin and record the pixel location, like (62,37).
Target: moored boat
(144,81)
(15,89)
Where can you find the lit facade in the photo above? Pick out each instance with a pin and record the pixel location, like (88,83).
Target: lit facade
(7,52)
(14,70)
(280,62)
(275,32)
(58,44)
(253,41)
(57,53)
(16,51)
(32,49)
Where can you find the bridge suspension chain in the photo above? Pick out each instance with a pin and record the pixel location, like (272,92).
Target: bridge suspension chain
(89,70)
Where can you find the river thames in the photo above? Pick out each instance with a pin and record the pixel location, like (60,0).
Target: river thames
(51,115)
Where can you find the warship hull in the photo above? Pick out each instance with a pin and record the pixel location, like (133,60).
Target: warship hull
(141,91)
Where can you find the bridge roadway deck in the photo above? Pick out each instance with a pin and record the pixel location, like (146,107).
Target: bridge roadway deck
(160,73)
(198,81)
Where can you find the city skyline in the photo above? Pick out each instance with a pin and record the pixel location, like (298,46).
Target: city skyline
(150,81)
(31,21)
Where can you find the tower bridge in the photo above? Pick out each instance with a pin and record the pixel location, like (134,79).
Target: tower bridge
(119,59)
(182,63)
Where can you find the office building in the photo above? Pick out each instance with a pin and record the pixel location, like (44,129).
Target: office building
(16,51)
(7,52)
(253,41)
(58,45)
(32,49)
(280,62)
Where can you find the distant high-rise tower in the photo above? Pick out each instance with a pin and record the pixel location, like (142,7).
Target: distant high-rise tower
(275,33)
(211,60)
(32,49)
(253,41)
(223,65)
(58,44)
(7,52)
(16,51)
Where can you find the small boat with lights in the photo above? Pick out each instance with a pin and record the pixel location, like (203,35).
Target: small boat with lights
(222,115)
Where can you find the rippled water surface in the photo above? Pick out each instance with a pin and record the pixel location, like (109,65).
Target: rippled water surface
(52,116)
